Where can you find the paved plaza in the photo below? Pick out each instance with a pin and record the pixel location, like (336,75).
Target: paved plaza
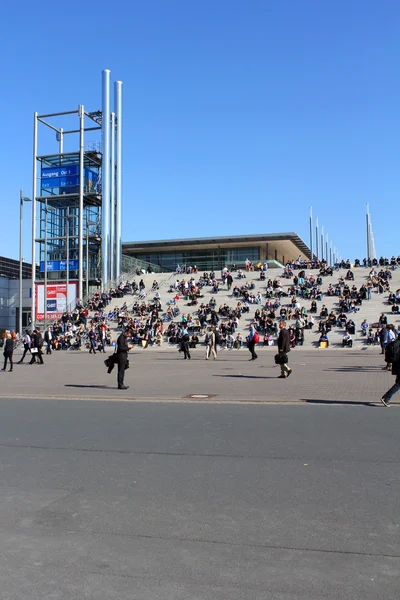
(318,375)
(263,489)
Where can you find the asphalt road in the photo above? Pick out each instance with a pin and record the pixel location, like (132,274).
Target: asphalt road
(178,501)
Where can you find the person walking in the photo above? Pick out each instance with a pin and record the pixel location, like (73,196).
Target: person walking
(392,356)
(299,325)
(253,335)
(185,343)
(211,343)
(92,340)
(8,350)
(121,357)
(391,336)
(383,335)
(284,348)
(36,349)
(27,346)
(48,338)
(102,336)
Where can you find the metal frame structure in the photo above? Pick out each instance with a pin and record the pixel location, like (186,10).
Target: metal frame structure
(71,213)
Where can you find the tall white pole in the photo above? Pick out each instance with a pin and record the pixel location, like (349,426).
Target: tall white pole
(21,204)
(34,176)
(45,261)
(81,112)
(316,237)
(87,256)
(67,258)
(311,234)
(112,202)
(118,183)
(105,208)
(326,250)
(322,242)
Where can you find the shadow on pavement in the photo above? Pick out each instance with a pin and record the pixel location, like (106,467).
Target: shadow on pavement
(246,376)
(99,387)
(357,369)
(339,402)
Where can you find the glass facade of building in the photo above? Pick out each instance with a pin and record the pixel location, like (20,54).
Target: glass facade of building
(204,258)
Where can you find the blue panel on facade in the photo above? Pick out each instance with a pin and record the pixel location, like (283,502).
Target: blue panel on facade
(52,305)
(64,171)
(68,181)
(59,265)
(50,183)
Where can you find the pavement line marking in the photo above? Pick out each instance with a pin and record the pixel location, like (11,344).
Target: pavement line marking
(177,400)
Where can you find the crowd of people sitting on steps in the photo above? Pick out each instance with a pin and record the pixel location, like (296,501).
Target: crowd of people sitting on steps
(93,325)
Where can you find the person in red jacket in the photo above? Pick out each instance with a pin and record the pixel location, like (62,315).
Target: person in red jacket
(284,348)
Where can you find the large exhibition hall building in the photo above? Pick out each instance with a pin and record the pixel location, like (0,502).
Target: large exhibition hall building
(216,252)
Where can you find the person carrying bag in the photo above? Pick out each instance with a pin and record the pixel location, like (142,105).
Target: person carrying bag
(283,349)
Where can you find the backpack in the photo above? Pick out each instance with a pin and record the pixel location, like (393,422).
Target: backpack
(256,337)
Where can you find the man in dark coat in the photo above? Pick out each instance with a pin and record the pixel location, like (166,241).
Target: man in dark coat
(284,348)
(48,338)
(121,358)
(392,355)
(37,345)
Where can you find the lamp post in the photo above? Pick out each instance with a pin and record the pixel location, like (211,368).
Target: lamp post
(22,199)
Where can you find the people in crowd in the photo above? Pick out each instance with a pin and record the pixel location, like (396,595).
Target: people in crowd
(193,303)
(8,349)
(347,340)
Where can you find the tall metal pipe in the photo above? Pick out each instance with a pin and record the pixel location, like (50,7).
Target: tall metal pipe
(322,242)
(330,252)
(67,260)
(45,261)
(34,176)
(316,237)
(311,234)
(105,207)
(368,231)
(21,209)
(87,256)
(326,250)
(112,202)
(118,181)
(81,192)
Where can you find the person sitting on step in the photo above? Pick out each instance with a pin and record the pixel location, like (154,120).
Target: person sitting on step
(347,340)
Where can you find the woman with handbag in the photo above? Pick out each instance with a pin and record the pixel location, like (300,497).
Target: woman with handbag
(36,348)
(8,350)
(283,349)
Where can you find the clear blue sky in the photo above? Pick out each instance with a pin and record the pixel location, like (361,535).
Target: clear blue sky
(238,115)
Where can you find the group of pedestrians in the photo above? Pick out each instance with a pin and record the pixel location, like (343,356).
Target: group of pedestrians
(33,344)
